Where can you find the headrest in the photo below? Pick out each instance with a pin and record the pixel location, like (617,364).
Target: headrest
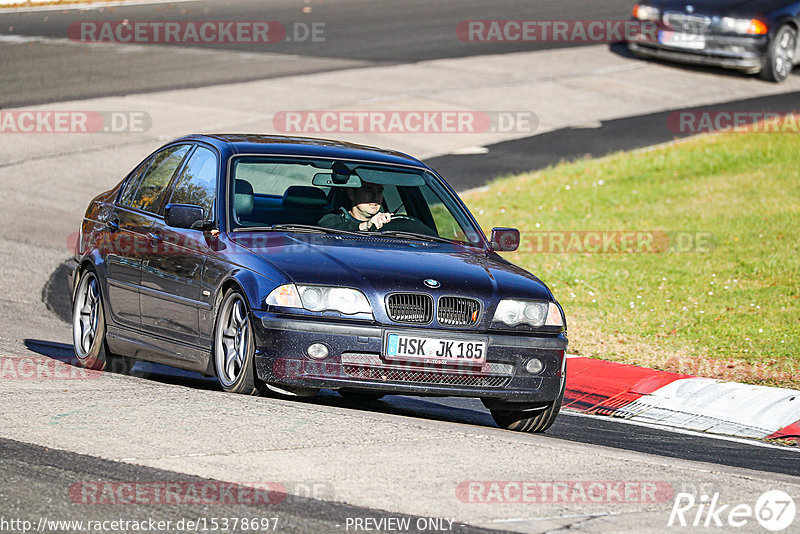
(304,197)
(243,198)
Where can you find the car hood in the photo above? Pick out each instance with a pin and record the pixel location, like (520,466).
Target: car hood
(383,265)
(724,7)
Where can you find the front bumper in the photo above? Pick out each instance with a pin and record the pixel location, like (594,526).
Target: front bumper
(727,51)
(355,362)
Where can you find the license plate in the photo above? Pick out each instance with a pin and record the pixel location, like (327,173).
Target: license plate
(692,41)
(431,349)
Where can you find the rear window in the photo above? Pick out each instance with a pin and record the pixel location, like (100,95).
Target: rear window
(149,192)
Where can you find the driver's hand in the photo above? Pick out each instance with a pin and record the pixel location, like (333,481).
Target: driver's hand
(378,220)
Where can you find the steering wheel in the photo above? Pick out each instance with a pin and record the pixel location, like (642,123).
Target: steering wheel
(407,223)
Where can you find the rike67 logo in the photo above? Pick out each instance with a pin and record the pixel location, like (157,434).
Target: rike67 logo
(774,510)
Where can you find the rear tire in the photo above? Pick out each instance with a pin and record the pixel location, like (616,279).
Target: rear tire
(234,346)
(780,55)
(89,328)
(533,422)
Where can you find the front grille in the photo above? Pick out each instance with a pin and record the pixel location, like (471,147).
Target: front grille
(458,311)
(686,22)
(423,377)
(410,308)
(371,367)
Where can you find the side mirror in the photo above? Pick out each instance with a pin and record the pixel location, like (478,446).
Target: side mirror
(184,216)
(505,239)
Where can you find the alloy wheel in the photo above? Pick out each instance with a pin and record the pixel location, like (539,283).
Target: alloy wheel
(233,340)
(86,316)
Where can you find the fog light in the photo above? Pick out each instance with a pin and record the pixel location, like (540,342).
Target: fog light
(318,351)
(534,366)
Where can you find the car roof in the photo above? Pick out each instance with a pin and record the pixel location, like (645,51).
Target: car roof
(301,146)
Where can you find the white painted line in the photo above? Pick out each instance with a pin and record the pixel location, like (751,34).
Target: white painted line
(24,39)
(124,48)
(470,150)
(677,430)
(5,5)
(553,518)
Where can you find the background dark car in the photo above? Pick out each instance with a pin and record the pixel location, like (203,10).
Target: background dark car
(209,256)
(753,36)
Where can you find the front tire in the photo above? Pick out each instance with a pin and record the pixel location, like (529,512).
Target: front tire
(780,55)
(89,329)
(234,346)
(533,422)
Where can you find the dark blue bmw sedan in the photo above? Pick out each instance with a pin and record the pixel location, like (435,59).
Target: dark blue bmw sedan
(288,265)
(753,36)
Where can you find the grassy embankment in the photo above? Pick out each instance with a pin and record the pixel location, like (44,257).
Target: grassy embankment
(731,310)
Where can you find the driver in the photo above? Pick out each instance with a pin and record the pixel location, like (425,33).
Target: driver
(365,215)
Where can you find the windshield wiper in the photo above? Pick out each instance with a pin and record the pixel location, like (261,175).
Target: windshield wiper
(414,235)
(311,229)
(307,228)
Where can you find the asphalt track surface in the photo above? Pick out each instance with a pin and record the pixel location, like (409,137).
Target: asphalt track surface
(393,32)
(385,33)
(37,479)
(52,68)
(41,482)
(569,144)
(570,426)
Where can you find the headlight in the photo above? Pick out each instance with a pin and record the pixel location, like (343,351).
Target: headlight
(645,12)
(341,299)
(285,296)
(320,298)
(745,26)
(512,312)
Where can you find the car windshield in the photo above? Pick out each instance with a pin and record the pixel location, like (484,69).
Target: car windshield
(304,195)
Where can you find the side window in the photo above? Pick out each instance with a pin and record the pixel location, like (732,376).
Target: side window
(198,182)
(152,186)
(133,183)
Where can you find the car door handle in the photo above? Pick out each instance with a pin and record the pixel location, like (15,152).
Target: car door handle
(153,239)
(112,225)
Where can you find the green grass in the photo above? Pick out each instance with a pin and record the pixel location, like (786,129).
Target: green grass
(731,311)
